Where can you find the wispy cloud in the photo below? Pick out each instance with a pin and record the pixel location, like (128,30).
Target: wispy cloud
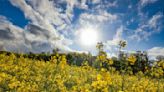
(96,1)
(155,21)
(145,2)
(99,17)
(148,28)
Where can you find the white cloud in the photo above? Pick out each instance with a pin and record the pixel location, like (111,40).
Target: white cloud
(83,4)
(49,13)
(47,18)
(116,38)
(140,34)
(113,4)
(104,4)
(100,17)
(39,15)
(155,51)
(76,3)
(31,39)
(11,36)
(44,12)
(145,2)
(154,21)
(148,28)
(96,1)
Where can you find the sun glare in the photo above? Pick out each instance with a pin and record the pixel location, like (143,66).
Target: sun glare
(88,37)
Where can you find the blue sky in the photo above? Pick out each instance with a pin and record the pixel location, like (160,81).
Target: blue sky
(41,25)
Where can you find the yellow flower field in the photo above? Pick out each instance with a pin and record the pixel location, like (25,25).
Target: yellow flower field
(27,75)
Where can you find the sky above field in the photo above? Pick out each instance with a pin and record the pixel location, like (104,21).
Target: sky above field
(77,25)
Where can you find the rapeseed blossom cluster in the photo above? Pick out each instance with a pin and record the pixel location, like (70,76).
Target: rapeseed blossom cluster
(131,59)
(19,74)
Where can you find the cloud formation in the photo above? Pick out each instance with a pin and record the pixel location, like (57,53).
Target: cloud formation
(53,23)
(148,28)
(31,39)
(99,17)
(145,2)
(48,22)
(156,51)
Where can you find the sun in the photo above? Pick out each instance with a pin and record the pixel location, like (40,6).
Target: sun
(88,37)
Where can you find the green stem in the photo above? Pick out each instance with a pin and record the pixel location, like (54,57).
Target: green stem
(122,87)
(158,85)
